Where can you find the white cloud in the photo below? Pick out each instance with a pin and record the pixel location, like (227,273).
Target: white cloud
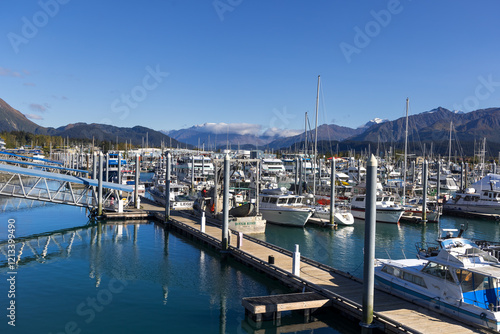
(33,116)
(276,132)
(234,128)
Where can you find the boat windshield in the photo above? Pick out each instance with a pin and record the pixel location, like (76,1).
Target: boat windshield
(438,270)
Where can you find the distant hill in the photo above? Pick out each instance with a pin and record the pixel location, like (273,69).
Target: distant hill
(13,120)
(138,135)
(434,125)
(326,132)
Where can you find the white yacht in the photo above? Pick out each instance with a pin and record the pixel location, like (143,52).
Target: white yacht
(282,207)
(387,211)
(458,279)
(484,203)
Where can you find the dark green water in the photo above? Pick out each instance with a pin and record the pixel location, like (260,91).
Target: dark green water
(141,278)
(125,279)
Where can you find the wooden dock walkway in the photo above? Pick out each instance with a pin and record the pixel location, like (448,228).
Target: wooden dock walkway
(392,314)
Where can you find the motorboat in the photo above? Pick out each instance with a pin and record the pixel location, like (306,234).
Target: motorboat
(282,207)
(413,210)
(341,216)
(456,278)
(483,203)
(387,210)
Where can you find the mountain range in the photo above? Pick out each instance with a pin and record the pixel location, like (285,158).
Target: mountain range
(434,127)
(13,120)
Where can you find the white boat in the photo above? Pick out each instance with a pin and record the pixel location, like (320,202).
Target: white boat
(341,216)
(387,211)
(272,166)
(282,207)
(461,281)
(179,199)
(413,210)
(485,203)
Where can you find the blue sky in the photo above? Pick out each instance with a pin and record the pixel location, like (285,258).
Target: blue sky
(174,64)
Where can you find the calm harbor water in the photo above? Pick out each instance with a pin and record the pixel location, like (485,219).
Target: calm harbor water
(137,278)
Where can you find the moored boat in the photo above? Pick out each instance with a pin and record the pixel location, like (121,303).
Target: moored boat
(284,208)
(387,211)
(457,278)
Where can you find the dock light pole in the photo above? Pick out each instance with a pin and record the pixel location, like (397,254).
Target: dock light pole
(332,192)
(136,189)
(424,194)
(168,171)
(225,216)
(99,188)
(369,258)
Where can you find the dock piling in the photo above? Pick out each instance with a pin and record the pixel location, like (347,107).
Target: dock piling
(296,261)
(168,171)
(332,192)
(225,220)
(202,223)
(369,258)
(99,187)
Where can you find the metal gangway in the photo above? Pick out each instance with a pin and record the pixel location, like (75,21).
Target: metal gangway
(36,183)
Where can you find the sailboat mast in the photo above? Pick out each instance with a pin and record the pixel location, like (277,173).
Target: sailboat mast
(315,140)
(406,149)
(449,149)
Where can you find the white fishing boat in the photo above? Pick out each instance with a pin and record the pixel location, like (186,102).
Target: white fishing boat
(280,206)
(179,199)
(387,211)
(484,203)
(458,279)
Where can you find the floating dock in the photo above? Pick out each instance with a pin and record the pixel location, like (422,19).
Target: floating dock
(270,307)
(339,290)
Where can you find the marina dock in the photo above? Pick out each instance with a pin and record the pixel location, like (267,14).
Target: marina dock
(342,291)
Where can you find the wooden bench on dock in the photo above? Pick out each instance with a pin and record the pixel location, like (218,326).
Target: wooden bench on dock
(270,307)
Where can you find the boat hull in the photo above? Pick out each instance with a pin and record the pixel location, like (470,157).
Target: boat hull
(339,218)
(382,215)
(285,216)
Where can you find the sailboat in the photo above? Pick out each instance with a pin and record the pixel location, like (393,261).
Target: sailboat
(341,215)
